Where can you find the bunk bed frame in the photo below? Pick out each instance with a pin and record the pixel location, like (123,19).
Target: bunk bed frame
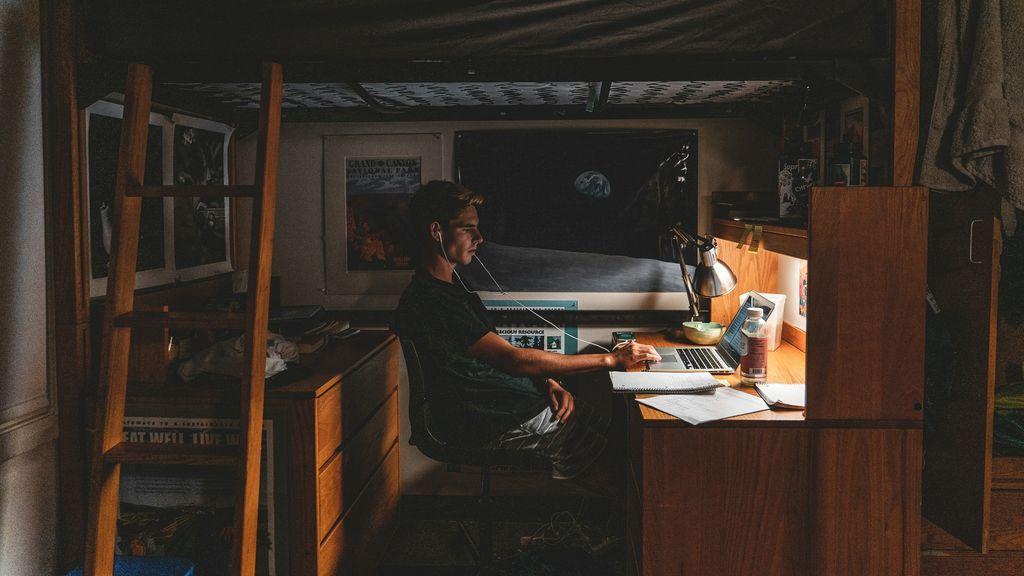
(78,73)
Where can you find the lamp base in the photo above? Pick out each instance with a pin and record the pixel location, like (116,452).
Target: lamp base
(675,333)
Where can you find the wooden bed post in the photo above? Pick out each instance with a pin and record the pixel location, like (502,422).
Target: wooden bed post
(70,278)
(906,83)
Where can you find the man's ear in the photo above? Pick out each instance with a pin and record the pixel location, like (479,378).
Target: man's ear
(435,231)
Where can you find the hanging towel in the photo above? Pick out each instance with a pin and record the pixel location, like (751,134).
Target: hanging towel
(976,132)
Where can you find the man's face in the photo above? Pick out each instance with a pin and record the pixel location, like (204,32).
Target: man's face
(463,236)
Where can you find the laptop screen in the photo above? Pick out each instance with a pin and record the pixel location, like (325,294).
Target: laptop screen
(731,341)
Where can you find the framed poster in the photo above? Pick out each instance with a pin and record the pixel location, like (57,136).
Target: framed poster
(853,124)
(814,140)
(581,211)
(557,339)
(189,512)
(377,192)
(368,179)
(102,138)
(201,239)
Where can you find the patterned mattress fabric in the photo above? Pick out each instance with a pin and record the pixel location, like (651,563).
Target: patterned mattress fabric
(441,94)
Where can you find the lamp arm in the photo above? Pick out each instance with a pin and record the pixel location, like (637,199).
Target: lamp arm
(691,294)
(686,238)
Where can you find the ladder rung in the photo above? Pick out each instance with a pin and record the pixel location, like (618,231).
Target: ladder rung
(194,320)
(217,191)
(171,454)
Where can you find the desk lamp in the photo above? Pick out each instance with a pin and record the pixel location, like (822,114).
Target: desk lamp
(711,278)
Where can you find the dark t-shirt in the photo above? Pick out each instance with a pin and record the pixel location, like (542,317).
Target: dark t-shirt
(471,402)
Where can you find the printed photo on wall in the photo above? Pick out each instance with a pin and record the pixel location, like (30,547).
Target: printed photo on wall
(377,192)
(104,136)
(854,128)
(814,142)
(200,224)
(803,289)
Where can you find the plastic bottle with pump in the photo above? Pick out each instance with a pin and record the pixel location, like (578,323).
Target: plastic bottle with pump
(754,349)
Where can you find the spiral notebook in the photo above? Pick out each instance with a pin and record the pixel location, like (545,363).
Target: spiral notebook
(664,382)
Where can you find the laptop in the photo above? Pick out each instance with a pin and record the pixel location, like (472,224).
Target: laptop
(722,358)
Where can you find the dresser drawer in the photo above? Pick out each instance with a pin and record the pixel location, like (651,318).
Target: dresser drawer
(355,544)
(345,474)
(346,405)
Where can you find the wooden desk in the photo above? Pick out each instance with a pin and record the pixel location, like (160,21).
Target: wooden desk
(785,364)
(770,493)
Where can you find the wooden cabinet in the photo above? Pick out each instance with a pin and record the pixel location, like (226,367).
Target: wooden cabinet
(835,491)
(342,457)
(973,502)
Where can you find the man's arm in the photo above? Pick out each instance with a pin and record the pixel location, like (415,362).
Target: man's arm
(497,352)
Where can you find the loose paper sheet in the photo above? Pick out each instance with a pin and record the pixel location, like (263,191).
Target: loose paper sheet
(785,395)
(700,408)
(664,382)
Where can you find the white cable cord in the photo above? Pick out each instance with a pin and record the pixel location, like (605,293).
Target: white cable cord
(453,266)
(525,307)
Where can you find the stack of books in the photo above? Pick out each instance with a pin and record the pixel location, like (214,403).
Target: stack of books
(306,326)
(314,339)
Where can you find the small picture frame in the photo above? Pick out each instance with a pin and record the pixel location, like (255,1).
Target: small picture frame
(814,140)
(854,115)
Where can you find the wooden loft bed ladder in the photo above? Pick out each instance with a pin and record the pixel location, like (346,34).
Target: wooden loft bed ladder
(110,450)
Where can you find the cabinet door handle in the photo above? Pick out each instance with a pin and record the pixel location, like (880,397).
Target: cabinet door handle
(970,245)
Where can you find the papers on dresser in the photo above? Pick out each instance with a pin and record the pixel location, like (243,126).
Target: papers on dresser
(664,382)
(700,408)
(786,396)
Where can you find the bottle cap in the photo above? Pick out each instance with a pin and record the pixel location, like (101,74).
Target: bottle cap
(755,313)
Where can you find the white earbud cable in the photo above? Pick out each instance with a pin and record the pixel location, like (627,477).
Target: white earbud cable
(527,308)
(510,297)
(441,243)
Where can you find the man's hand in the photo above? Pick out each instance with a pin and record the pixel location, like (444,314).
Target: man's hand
(562,403)
(631,354)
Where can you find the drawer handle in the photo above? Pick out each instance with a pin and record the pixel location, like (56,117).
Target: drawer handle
(970,245)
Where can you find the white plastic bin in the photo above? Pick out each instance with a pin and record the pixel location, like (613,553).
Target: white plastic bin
(775,320)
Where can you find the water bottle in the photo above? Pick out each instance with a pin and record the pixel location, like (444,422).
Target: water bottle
(754,349)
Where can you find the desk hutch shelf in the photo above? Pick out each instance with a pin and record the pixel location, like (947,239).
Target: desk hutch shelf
(788,240)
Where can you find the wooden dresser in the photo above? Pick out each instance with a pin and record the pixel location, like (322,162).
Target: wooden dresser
(342,457)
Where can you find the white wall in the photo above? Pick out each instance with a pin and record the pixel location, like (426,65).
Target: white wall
(789,284)
(28,455)
(733,154)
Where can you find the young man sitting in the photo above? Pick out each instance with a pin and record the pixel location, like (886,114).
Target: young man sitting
(482,391)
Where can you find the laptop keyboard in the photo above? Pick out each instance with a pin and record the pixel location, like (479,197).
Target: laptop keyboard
(699,359)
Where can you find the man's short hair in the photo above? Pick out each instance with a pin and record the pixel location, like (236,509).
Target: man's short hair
(438,201)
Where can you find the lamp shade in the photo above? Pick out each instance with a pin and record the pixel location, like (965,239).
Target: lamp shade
(712,277)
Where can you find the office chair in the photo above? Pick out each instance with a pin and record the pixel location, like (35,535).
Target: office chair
(436,449)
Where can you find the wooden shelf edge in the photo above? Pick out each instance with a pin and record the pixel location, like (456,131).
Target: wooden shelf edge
(1008,472)
(795,336)
(790,241)
(172,454)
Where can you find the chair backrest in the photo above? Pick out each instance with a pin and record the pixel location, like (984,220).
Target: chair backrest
(430,444)
(419,409)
